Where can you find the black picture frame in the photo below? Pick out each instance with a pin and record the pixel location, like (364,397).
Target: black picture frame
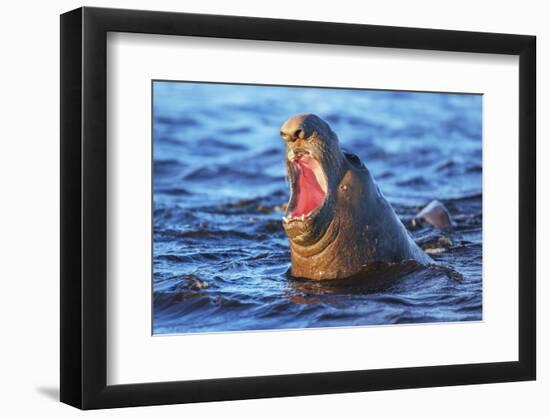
(84,207)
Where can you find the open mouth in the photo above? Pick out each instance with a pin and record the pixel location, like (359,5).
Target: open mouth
(308,188)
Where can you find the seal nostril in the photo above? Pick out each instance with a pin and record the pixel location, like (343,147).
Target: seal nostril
(287,136)
(298,133)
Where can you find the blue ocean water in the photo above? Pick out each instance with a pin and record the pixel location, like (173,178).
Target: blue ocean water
(219,251)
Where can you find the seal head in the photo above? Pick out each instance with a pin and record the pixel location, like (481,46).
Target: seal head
(337,220)
(312,154)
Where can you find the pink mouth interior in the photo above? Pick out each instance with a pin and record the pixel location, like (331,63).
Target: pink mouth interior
(308,190)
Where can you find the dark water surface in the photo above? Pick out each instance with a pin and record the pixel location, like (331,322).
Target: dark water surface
(220,253)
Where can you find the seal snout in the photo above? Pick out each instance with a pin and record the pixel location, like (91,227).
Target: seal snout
(298,127)
(292,134)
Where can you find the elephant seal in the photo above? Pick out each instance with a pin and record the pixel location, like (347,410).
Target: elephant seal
(337,220)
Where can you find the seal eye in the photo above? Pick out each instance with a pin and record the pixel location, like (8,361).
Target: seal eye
(299,133)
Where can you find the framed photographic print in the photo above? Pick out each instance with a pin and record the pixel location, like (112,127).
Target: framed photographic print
(257,207)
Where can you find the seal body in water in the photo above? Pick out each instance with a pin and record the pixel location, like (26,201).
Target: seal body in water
(337,220)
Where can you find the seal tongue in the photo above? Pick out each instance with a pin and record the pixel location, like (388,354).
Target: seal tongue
(309,192)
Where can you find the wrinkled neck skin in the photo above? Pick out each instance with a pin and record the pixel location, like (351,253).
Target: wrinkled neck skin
(356,227)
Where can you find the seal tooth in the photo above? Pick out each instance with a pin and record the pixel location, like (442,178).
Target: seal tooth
(285,219)
(303,217)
